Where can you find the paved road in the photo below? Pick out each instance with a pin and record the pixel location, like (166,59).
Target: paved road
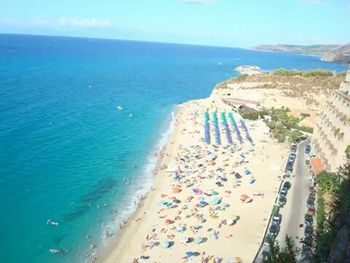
(294,211)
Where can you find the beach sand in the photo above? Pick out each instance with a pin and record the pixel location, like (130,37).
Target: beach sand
(170,220)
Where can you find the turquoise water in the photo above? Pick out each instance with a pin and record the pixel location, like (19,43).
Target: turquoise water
(66,150)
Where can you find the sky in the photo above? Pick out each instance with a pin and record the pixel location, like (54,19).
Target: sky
(232,23)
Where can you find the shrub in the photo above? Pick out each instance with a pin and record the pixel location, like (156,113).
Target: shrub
(317,73)
(306,129)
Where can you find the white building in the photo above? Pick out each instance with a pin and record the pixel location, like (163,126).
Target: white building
(332,132)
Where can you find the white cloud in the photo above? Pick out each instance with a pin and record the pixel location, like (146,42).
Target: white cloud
(201,2)
(83,22)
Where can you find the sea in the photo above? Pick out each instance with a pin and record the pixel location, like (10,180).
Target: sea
(80,121)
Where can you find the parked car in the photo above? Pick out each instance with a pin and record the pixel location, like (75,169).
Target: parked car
(274,229)
(308,230)
(286,185)
(286,175)
(289,168)
(265,253)
(309,219)
(310,202)
(312,195)
(307,241)
(284,191)
(292,156)
(269,238)
(308,149)
(282,201)
(311,211)
(277,218)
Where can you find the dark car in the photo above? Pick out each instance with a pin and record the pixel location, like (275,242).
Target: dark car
(283,192)
(312,195)
(282,201)
(309,219)
(289,168)
(310,202)
(277,218)
(307,241)
(265,253)
(269,238)
(274,229)
(308,149)
(292,156)
(308,230)
(286,175)
(286,185)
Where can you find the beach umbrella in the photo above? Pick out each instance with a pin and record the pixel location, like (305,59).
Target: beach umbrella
(215,201)
(189,254)
(238,176)
(252,180)
(181,229)
(197,191)
(214,192)
(244,197)
(247,171)
(165,244)
(176,190)
(168,221)
(198,240)
(230,222)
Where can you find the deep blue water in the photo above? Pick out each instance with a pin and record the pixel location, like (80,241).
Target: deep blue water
(64,146)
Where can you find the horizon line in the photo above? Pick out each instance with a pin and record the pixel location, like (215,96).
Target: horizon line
(131,40)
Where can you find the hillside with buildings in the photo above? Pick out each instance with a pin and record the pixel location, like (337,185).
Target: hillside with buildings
(297,101)
(332,132)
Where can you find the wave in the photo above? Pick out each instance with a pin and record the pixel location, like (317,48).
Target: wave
(143,182)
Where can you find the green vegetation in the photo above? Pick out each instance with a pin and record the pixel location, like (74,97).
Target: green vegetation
(332,215)
(282,126)
(254,115)
(307,73)
(347,151)
(332,238)
(278,254)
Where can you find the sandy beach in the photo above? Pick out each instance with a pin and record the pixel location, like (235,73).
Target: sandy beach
(207,200)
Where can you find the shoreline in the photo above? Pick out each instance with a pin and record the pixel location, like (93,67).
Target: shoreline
(106,252)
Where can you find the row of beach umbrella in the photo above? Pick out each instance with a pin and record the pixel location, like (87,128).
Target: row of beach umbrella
(206,128)
(216,128)
(226,127)
(225,124)
(249,138)
(235,127)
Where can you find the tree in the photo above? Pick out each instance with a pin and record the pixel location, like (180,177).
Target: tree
(286,254)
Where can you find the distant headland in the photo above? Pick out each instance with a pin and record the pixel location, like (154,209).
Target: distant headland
(331,53)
